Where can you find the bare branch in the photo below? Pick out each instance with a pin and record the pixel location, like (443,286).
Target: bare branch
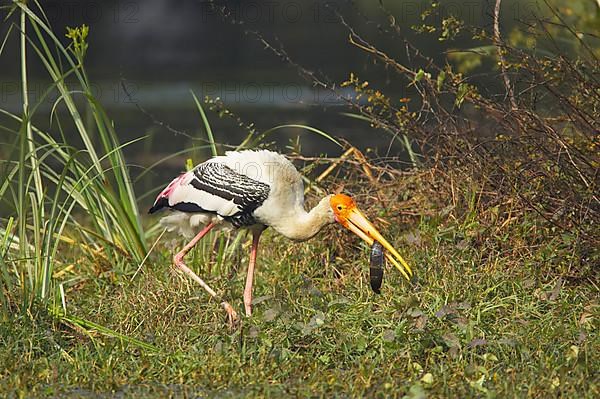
(498,44)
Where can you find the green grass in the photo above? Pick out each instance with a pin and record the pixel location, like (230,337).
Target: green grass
(477,323)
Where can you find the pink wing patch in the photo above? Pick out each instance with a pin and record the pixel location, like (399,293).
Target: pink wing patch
(162,199)
(167,191)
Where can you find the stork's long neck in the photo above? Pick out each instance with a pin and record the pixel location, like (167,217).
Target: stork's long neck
(300,225)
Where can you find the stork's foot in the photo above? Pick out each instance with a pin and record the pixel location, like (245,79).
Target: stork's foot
(232,316)
(248,303)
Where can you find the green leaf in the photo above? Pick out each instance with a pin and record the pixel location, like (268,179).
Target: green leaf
(440,80)
(420,74)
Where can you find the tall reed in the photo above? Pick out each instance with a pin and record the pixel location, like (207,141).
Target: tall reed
(49,180)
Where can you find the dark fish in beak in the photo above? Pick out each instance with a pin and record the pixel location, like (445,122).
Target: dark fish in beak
(376,267)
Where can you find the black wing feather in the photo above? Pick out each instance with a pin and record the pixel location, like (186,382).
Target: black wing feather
(220,180)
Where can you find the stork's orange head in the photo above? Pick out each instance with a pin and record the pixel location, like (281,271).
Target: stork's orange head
(348,215)
(342,205)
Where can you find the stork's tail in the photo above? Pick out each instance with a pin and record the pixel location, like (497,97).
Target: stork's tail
(161,202)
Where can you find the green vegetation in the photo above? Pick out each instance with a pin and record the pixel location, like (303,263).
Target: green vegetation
(505,302)
(488,316)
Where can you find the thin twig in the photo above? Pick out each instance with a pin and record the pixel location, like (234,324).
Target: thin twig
(498,44)
(163,124)
(147,255)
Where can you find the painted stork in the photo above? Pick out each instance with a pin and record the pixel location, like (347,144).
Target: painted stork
(255,190)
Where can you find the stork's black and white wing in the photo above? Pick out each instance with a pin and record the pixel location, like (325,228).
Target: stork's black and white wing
(215,188)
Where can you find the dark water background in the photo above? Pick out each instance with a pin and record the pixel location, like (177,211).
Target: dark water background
(160,50)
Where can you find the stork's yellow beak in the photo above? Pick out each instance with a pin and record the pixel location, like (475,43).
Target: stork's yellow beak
(348,215)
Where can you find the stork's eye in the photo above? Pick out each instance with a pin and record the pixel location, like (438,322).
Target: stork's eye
(339,207)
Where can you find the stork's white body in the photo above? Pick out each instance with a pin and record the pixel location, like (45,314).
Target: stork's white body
(283,208)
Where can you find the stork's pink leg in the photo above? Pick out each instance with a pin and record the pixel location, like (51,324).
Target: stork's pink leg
(250,275)
(178,261)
